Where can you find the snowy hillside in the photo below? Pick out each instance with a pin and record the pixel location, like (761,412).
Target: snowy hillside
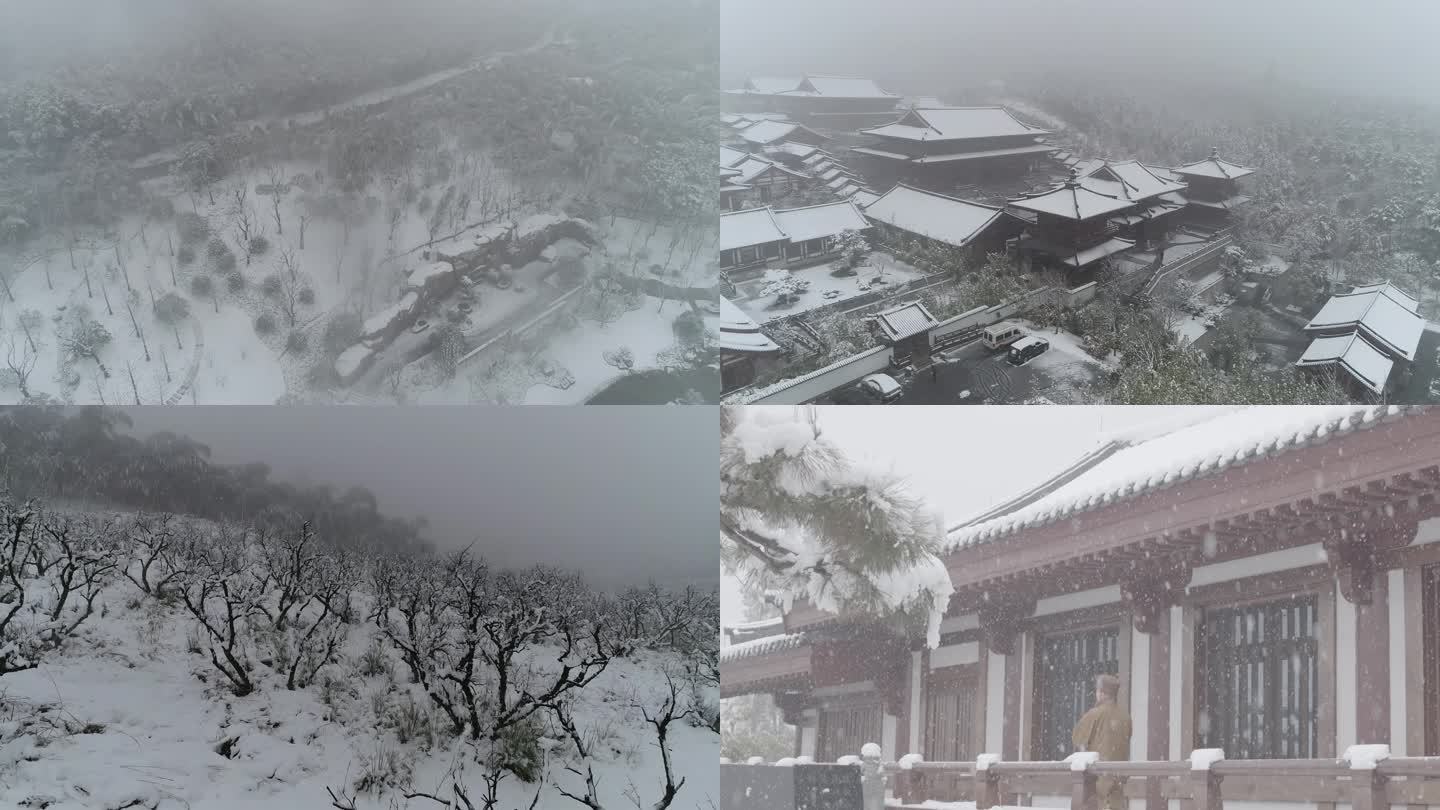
(524,690)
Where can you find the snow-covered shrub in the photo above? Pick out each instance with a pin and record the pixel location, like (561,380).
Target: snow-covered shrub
(226,262)
(306,296)
(52,569)
(216,248)
(411,721)
(265,324)
(519,749)
(384,766)
(258,245)
(272,286)
(296,341)
(234,281)
(373,661)
(185,255)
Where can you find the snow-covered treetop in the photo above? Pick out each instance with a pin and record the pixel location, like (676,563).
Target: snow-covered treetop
(798,516)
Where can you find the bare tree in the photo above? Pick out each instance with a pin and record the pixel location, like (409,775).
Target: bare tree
(660,720)
(83,338)
(159,552)
(20,360)
(278,188)
(294,285)
(225,600)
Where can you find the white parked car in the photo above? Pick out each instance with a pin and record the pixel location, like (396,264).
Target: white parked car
(882,387)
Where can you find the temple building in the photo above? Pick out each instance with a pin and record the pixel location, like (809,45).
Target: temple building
(1072,227)
(1214,189)
(907,213)
(826,102)
(744,349)
(1370,336)
(1263,581)
(940,147)
(1155,200)
(805,235)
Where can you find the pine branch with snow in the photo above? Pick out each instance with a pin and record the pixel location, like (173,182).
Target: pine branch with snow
(798,516)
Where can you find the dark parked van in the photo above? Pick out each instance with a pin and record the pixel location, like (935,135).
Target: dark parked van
(1022,350)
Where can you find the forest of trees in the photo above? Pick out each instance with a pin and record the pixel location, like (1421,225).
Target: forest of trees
(87,454)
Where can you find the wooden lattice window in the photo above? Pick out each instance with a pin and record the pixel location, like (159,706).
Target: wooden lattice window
(1066,667)
(950,722)
(844,729)
(1257,680)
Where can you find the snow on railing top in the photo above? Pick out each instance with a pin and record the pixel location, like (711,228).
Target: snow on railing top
(1189,452)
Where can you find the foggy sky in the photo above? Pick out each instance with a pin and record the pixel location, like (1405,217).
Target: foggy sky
(1377,46)
(622,494)
(963,461)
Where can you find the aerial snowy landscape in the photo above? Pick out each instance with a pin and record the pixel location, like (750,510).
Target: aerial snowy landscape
(254,203)
(1204,206)
(177,632)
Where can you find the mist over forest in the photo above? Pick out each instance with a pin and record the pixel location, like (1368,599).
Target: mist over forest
(1378,49)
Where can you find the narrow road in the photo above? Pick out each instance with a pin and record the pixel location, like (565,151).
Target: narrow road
(364,100)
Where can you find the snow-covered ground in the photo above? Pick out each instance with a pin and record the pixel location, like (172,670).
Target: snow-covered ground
(824,288)
(126,716)
(217,355)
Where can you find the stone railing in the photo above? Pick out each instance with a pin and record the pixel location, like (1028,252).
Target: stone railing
(1366,777)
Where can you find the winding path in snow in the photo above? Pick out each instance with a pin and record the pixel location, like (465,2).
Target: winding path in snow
(196,354)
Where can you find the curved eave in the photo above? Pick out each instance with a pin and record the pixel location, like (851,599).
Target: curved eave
(785,668)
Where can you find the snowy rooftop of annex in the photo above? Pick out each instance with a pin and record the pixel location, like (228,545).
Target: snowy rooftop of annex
(754,226)
(935,216)
(816,221)
(772,84)
(740,333)
(767,132)
(752,167)
(1128,180)
(730,158)
(1129,466)
(1381,311)
(1071,201)
(1215,167)
(842,87)
(1367,364)
(955,123)
(905,321)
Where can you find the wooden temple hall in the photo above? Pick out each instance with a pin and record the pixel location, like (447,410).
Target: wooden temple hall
(1265,582)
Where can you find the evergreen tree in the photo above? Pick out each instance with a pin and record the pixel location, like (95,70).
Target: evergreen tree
(799,517)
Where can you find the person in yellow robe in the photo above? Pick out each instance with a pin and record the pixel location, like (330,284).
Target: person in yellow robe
(1105,730)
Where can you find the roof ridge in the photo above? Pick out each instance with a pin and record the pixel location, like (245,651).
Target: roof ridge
(944,196)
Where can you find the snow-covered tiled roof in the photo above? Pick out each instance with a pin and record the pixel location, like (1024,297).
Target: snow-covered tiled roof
(864,198)
(1215,167)
(1095,253)
(752,167)
(1071,201)
(768,132)
(799,150)
(740,333)
(1353,353)
(1127,180)
(816,221)
(955,123)
(762,646)
(905,321)
(729,158)
(753,226)
(945,219)
(842,87)
(1128,468)
(1389,323)
(1392,292)
(772,84)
